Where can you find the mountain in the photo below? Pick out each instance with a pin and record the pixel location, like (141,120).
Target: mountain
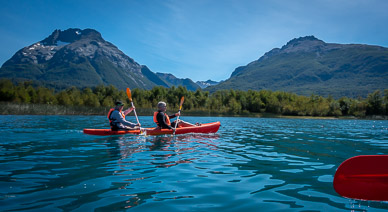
(80,58)
(171,80)
(205,84)
(308,65)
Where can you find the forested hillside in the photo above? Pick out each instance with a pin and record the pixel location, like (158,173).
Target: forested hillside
(223,102)
(308,66)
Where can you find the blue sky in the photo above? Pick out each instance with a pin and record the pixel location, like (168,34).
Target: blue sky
(197,39)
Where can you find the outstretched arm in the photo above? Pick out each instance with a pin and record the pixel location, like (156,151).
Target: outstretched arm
(121,119)
(126,112)
(174,115)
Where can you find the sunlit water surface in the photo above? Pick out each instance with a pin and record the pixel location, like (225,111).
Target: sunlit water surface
(251,164)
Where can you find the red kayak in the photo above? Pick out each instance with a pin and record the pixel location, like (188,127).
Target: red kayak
(363,177)
(203,128)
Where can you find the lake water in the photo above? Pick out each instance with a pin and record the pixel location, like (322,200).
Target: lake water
(251,164)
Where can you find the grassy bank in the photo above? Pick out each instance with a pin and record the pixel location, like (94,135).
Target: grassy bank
(46,109)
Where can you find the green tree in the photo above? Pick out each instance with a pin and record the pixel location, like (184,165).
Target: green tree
(345,104)
(234,106)
(108,102)
(254,103)
(374,103)
(334,108)
(358,108)
(7,90)
(89,98)
(22,95)
(63,98)
(46,96)
(385,101)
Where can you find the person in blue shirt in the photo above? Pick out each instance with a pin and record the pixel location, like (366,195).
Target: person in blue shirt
(117,120)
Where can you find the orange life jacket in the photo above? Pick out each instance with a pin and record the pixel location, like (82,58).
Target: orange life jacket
(111,120)
(156,120)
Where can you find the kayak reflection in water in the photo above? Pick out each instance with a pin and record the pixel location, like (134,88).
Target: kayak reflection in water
(163,120)
(117,120)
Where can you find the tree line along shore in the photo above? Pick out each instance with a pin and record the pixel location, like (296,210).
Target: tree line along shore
(27,99)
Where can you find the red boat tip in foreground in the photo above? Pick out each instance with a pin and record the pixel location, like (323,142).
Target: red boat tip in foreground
(363,177)
(203,128)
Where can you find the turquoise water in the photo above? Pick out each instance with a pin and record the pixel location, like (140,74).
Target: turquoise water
(251,164)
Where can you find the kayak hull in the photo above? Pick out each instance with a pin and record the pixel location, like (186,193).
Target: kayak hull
(204,128)
(363,177)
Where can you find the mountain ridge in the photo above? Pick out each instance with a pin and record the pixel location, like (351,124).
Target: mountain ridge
(305,65)
(308,66)
(207,83)
(171,80)
(80,58)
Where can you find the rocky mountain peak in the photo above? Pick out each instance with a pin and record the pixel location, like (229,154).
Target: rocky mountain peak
(309,44)
(76,57)
(74,43)
(205,84)
(304,44)
(304,40)
(70,35)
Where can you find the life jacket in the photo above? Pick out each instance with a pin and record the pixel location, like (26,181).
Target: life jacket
(156,120)
(111,120)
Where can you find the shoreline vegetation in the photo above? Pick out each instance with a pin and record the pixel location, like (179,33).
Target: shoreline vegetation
(39,109)
(28,99)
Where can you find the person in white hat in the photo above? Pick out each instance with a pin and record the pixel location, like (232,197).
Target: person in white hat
(163,120)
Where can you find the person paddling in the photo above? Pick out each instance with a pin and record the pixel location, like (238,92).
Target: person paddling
(117,118)
(163,120)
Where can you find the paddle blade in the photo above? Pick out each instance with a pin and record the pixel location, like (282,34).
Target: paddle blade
(182,100)
(129,94)
(363,177)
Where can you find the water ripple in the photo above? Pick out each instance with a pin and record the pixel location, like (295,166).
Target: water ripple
(47,163)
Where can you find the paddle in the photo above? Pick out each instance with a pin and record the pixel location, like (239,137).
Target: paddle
(180,108)
(363,177)
(130,99)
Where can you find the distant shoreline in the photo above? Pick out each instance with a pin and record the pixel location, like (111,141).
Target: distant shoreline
(46,109)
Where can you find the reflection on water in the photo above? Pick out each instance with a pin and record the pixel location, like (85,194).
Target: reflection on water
(250,164)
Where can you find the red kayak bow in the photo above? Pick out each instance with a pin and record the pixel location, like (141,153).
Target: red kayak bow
(363,177)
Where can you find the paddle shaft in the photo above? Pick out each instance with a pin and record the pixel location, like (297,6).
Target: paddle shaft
(177,121)
(130,99)
(180,108)
(134,110)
